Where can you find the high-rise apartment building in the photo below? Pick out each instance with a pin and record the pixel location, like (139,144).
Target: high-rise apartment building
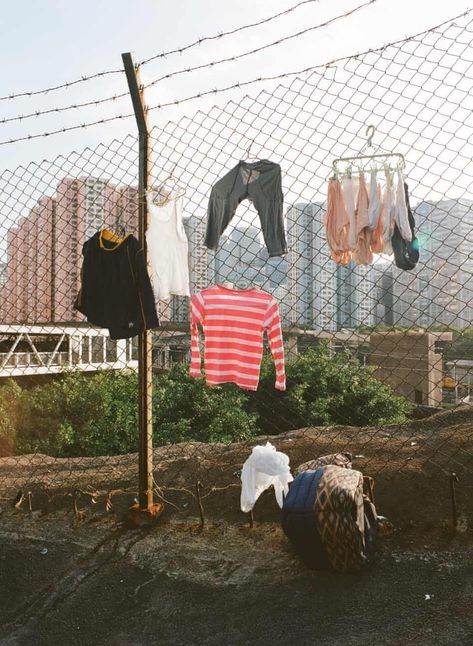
(126,208)
(440,289)
(201,266)
(84,206)
(44,249)
(354,295)
(383,294)
(311,273)
(201,260)
(28,290)
(238,257)
(323,295)
(275,270)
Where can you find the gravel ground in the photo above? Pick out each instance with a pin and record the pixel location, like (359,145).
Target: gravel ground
(95,584)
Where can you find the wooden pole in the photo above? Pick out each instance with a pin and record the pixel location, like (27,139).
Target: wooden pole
(144,341)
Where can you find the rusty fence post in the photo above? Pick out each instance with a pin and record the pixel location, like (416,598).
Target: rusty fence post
(145,340)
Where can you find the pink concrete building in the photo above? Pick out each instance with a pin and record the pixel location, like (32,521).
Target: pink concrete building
(44,255)
(44,214)
(8,300)
(126,208)
(84,205)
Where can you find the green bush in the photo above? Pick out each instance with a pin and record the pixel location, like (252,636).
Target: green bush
(186,409)
(10,405)
(325,389)
(80,414)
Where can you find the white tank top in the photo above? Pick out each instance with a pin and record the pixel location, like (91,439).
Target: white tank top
(167,248)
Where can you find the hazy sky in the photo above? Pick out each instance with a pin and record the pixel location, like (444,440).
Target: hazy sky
(45,42)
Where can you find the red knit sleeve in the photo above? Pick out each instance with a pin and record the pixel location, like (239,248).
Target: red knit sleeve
(272,325)
(197,309)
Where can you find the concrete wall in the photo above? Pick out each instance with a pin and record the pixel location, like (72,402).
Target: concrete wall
(409,363)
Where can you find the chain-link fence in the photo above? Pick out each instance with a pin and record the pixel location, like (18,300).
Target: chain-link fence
(371,350)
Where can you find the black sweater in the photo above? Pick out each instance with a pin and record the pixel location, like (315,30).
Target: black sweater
(116,291)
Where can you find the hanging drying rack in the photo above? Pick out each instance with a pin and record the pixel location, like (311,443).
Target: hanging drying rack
(378,154)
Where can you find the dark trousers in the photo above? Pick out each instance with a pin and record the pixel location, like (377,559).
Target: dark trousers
(259,182)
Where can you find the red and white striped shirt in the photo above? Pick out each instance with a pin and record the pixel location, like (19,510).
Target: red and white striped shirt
(233,321)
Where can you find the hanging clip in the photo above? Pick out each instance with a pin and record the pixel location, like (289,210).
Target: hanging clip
(370,130)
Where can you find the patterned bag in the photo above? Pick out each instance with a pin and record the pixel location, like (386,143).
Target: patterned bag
(339,459)
(329,520)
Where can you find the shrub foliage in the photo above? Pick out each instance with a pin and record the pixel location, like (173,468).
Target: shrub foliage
(80,414)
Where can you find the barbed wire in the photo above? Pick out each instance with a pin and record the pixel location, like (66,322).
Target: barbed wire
(179,50)
(96,102)
(240,84)
(60,86)
(72,106)
(263,47)
(67,129)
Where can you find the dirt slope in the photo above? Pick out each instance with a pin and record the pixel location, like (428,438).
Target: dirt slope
(411,463)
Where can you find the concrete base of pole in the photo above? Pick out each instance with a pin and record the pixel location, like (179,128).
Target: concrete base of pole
(136,517)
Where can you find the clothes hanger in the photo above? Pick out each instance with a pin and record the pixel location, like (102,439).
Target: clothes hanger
(248,158)
(121,230)
(116,232)
(167,190)
(394,160)
(115,235)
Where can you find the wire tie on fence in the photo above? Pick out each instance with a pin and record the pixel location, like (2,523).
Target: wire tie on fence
(108,502)
(18,499)
(75,498)
(370,484)
(453,481)
(198,486)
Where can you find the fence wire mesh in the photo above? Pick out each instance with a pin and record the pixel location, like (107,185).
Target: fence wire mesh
(372,347)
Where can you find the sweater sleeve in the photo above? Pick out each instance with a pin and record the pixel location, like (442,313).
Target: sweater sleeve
(80,302)
(196,318)
(272,325)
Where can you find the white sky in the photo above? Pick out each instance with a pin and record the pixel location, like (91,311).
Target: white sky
(45,42)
